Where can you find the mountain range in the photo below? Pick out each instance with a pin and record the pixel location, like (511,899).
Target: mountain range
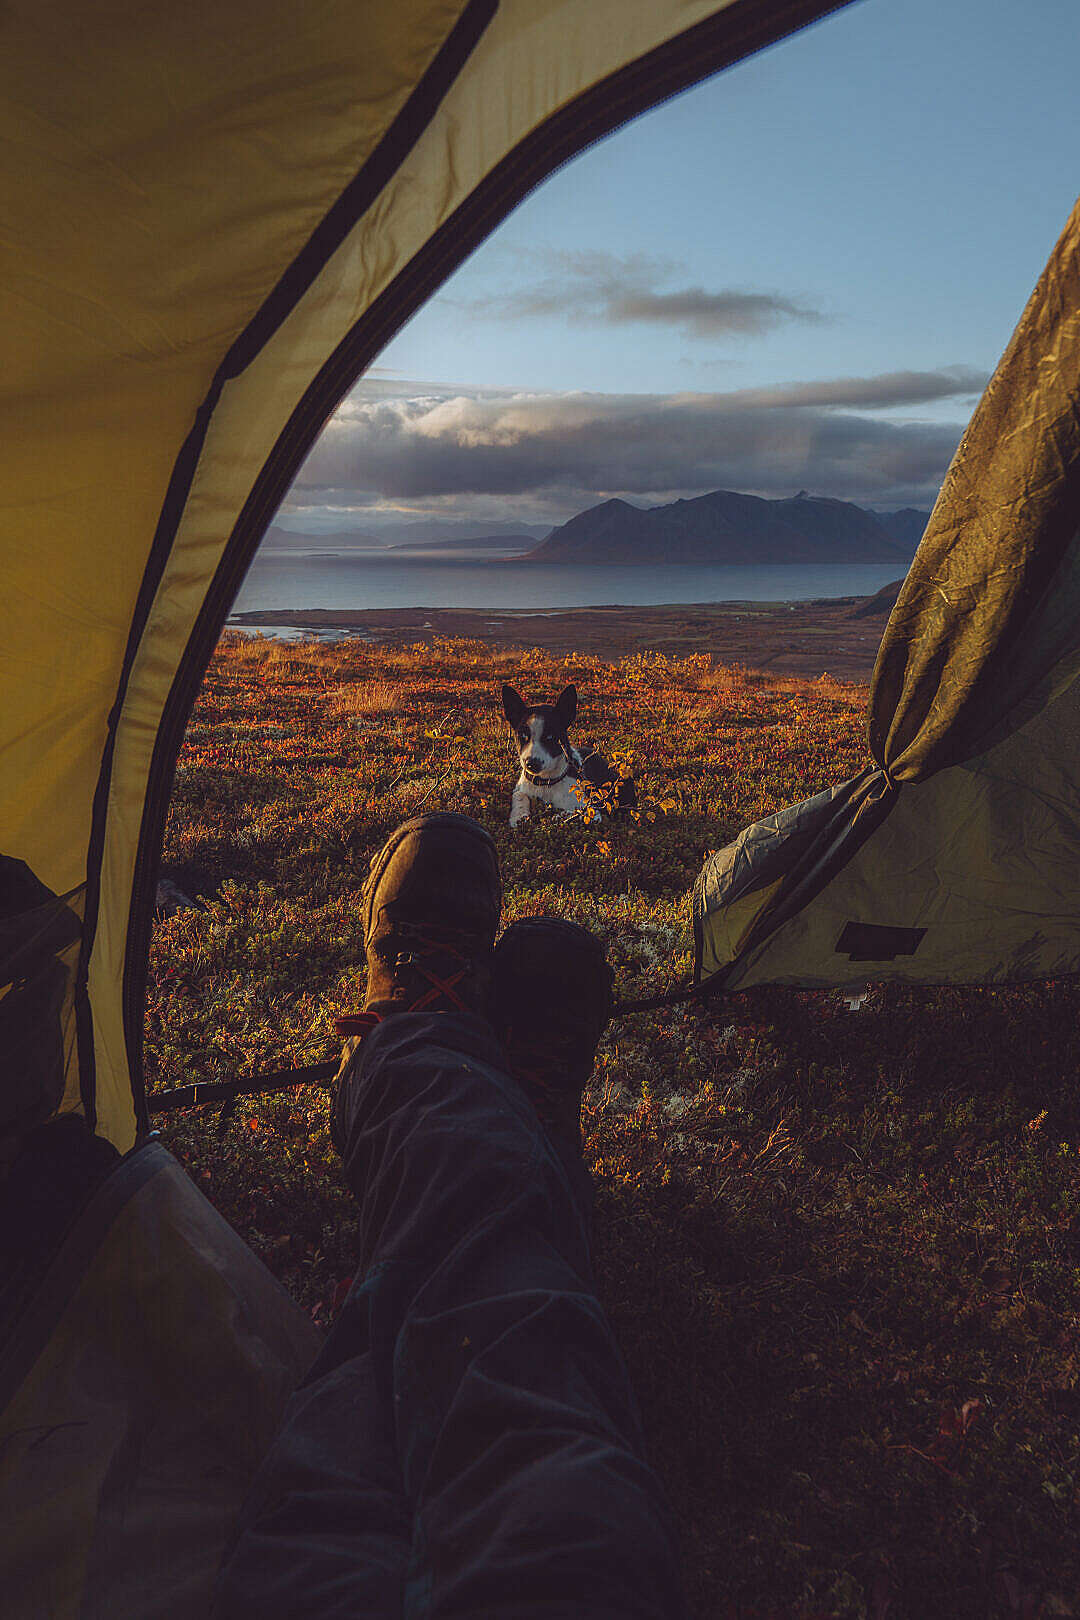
(729,527)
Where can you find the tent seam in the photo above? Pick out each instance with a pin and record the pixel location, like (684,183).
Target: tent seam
(392,149)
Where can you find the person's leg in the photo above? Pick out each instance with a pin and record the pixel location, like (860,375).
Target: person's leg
(517,1443)
(518,1437)
(326,1530)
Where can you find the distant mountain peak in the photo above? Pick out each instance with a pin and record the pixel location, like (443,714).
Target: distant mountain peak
(614,503)
(724,526)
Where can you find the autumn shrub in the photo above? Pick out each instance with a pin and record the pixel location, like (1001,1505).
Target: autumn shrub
(840,1248)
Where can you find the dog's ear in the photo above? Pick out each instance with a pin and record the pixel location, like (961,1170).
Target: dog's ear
(513,705)
(566,708)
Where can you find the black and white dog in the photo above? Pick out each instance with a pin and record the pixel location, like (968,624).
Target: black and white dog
(552,770)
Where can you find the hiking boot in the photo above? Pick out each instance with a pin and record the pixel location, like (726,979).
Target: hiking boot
(551,1001)
(431,908)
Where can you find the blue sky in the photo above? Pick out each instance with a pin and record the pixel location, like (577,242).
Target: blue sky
(864,208)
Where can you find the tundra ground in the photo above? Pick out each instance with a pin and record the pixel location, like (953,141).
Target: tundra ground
(840,1249)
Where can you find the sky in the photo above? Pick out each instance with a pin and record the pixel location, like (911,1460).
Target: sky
(798,275)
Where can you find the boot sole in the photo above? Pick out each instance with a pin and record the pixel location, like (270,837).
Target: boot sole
(559,925)
(558,929)
(437,818)
(560,933)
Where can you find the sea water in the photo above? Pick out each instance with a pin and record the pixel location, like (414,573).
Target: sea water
(296,581)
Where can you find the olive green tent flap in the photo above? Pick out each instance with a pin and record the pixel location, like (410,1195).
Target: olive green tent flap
(142,1389)
(987,620)
(209,231)
(972,877)
(160,178)
(956,859)
(771,862)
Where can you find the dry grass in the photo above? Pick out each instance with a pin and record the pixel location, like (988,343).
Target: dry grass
(374,698)
(841,1250)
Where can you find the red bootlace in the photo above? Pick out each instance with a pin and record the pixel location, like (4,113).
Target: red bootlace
(439,987)
(361,1024)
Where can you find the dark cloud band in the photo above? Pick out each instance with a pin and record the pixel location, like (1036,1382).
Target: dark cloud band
(558,447)
(888,389)
(602,287)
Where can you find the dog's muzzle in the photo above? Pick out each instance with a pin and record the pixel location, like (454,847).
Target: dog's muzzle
(537,780)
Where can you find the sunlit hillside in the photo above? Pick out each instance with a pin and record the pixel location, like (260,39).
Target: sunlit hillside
(841,1247)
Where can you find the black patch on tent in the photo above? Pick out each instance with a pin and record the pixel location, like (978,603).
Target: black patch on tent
(872,942)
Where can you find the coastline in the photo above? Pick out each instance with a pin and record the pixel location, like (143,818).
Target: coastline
(837,636)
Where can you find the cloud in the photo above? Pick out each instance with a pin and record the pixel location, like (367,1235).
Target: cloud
(602,287)
(569,450)
(888,389)
(706,314)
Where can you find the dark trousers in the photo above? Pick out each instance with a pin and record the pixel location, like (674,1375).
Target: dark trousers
(467,1443)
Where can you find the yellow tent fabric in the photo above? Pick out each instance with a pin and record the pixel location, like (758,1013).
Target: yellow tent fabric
(954,859)
(211,225)
(212,222)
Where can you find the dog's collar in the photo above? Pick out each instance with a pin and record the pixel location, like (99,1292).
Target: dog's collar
(544,781)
